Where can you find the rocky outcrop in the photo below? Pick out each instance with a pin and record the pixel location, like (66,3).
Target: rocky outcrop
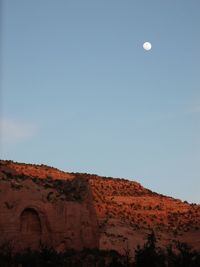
(127,211)
(55,212)
(40,204)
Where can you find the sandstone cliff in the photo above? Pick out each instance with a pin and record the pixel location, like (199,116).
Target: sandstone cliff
(42,205)
(71,210)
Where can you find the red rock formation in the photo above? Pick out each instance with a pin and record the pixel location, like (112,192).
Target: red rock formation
(69,210)
(58,213)
(127,211)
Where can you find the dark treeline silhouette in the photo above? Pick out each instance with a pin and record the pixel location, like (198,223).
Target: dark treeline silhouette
(149,255)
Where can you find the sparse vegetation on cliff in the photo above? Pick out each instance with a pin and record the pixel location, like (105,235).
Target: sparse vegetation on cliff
(123,208)
(149,255)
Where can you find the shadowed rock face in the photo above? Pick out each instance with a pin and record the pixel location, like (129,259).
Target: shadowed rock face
(70,210)
(58,213)
(30,227)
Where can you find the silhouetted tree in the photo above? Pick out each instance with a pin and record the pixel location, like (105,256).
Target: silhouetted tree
(127,256)
(149,255)
(182,256)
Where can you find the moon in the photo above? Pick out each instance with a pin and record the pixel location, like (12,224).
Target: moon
(147,46)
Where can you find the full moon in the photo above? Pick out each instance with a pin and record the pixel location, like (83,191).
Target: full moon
(147,46)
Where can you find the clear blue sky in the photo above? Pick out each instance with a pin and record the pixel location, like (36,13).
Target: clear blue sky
(80,93)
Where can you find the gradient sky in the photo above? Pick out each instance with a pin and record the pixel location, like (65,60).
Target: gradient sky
(81,94)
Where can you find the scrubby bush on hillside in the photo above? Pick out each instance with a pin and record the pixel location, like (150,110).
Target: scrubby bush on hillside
(149,255)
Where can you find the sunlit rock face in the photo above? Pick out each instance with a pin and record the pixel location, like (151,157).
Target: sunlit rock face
(48,211)
(43,205)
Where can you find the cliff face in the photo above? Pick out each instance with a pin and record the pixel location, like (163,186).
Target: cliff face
(127,211)
(69,210)
(56,210)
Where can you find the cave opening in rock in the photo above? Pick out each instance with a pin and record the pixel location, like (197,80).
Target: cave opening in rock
(30,227)
(30,221)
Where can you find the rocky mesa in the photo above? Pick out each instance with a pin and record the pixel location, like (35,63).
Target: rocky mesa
(41,204)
